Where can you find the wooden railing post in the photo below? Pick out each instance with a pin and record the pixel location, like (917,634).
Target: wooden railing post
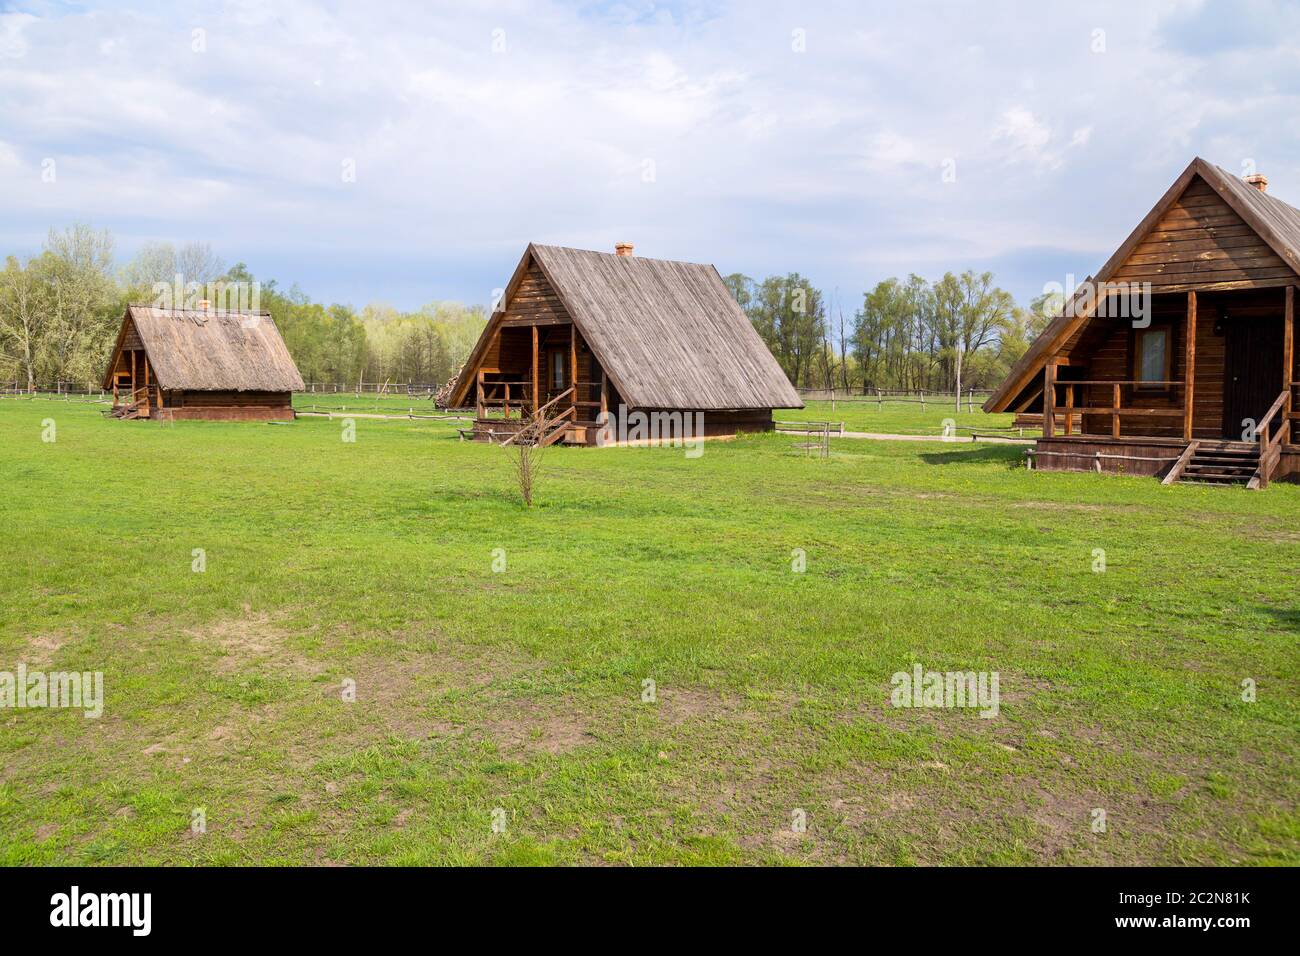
(537,373)
(1114,412)
(1189,370)
(1069,408)
(1049,397)
(1288,361)
(573,361)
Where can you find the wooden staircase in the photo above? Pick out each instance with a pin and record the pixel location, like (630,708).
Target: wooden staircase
(1222,463)
(543,431)
(137,406)
(1249,463)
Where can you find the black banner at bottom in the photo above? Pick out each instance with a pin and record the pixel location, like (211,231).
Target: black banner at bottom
(337,905)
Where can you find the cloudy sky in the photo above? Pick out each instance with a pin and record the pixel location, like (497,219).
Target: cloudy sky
(407,152)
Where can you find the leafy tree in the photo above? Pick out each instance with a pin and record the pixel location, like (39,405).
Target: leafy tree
(789,315)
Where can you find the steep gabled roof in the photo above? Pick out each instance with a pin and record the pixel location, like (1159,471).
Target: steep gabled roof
(1274,221)
(207,350)
(668,334)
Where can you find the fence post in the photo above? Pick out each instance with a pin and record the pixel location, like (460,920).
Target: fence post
(921,391)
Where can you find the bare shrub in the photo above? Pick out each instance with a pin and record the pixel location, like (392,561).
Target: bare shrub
(525,452)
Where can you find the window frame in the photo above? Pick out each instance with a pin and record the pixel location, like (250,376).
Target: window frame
(558,364)
(1136,341)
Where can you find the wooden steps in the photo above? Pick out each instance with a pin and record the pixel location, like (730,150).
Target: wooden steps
(1222,464)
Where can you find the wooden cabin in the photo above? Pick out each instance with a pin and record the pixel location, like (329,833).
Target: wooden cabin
(201,363)
(1200,383)
(578,333)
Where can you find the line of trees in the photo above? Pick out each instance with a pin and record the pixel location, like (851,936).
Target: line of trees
(60,310)
(907,334)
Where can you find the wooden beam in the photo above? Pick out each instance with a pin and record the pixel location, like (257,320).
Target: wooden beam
(573,360)
(1288,359)
(1114,415)
(1049,397)
(523,323)
(1288,353)
(1033,397)
(604,392)
(1069,409)
(1189,371)
(537,381)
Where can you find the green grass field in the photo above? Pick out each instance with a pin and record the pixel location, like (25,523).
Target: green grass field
(902,418)
(333,564)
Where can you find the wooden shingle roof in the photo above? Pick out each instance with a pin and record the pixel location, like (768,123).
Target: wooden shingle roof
(669,334)
(209,350)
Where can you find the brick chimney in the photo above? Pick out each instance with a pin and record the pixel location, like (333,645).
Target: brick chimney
(204,305)
(623,249)
(1259,181)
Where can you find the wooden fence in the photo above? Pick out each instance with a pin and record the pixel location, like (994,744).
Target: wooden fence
(880,397)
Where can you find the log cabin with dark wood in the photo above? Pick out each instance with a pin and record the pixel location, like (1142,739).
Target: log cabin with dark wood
(579,337)
(201,364)
(1177,360)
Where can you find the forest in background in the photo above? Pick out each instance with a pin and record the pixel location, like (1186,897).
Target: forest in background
(60,311)
(959,331)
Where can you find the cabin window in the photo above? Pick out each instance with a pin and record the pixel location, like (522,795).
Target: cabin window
(557,371)
(1151,358)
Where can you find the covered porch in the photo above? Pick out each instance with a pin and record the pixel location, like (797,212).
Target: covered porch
(1201,387)
(540,370)
(135,387)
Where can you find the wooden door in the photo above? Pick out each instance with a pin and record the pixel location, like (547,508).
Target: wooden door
(1252,373)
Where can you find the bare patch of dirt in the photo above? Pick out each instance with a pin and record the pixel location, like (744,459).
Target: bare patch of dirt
(533,731)
(253,640)
(42,648)
(679,705)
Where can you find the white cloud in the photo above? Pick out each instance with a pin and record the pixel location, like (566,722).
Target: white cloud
(828,161)
(1026,137)
(12,42)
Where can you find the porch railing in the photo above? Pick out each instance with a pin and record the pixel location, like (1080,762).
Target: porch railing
(518,397)
(1070,407)
(1271,435)
(499,395)
(149,395)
